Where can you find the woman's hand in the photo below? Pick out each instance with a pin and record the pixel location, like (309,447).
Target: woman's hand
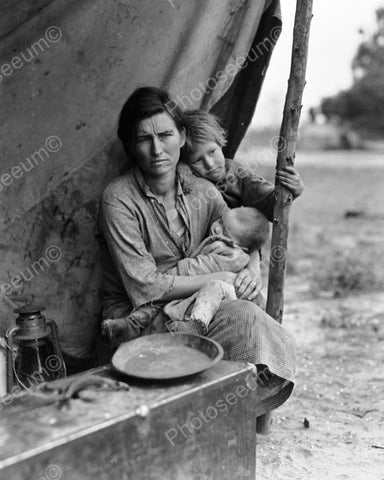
(289,177)
(247,286)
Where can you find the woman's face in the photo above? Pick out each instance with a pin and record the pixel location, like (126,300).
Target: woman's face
(157,145)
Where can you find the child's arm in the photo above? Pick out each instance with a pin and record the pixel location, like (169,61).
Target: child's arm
(254,191)
(289,177)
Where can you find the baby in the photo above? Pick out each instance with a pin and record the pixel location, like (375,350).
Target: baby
(241,229)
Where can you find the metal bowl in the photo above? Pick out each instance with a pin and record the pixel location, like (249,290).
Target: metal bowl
(165,356)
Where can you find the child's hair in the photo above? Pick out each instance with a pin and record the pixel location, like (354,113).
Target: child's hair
(252,229)
(202,127)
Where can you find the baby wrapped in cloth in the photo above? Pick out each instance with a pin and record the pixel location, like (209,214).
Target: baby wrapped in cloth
(243,229)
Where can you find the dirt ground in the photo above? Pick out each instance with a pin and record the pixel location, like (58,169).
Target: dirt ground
(339,391)
(334,305)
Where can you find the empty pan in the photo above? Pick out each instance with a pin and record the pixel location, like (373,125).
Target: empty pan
(165,356)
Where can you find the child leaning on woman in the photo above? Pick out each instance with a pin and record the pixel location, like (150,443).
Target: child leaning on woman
(238,184)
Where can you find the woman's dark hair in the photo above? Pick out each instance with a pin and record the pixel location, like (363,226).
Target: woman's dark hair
(143,103)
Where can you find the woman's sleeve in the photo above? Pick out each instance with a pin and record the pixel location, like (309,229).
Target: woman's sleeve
(134,264)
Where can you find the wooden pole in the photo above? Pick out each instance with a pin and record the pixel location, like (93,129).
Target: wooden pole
(286,156)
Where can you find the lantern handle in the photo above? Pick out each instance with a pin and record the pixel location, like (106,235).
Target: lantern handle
(10,356)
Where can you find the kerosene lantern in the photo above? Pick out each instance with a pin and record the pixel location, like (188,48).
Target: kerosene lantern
(33,353)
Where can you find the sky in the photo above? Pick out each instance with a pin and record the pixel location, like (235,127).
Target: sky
(334,38)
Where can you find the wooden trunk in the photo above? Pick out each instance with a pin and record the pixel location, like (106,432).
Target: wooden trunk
(200,428)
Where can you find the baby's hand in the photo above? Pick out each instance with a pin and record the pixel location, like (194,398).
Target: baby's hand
(289,177)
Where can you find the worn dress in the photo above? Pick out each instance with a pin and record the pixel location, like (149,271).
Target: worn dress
(140,256)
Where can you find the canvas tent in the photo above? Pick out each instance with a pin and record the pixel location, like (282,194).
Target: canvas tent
(66,68)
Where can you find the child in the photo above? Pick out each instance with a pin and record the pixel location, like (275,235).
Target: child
(239,185)
(242,229)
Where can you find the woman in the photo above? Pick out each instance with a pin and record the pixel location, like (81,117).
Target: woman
(148,227)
